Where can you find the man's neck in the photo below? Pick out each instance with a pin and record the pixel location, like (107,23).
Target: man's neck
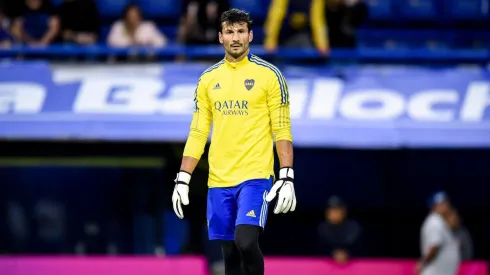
(230,58)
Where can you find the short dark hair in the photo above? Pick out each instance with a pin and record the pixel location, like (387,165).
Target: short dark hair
(234,16)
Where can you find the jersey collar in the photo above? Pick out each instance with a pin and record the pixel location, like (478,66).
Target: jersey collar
(239,64)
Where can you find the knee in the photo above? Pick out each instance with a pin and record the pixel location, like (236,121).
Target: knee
(246,239)
(246,244)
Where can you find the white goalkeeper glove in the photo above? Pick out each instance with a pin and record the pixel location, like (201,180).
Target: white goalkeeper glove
(284,189)
(181,193)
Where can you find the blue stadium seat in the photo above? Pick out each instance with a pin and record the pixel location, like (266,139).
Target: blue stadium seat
(171,32)
(258,9)
(111,8)
(380,9)
(405,39)
(417,9)
(472,39)
(56,2)
(160,8)
(104,33)
(466,9)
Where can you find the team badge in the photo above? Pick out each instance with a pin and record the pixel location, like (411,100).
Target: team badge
(249,84)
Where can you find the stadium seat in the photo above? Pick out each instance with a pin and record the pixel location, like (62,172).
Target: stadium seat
(472,39)
(112,8)
(170,32)
(466,9)
(405,39)
(258,9)
(160,8)
(104,33)
(417,9)
(56,2)
(380,9)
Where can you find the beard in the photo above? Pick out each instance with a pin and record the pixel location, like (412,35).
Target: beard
(234,53)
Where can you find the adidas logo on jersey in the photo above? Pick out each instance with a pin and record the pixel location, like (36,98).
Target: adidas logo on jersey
(217,86)
(251,213)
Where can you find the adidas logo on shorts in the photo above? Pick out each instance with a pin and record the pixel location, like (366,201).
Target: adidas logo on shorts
(251,213)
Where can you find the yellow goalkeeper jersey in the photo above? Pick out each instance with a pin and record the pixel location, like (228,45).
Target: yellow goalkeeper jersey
(247,105)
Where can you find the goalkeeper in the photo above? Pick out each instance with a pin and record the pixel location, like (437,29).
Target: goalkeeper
(247,101)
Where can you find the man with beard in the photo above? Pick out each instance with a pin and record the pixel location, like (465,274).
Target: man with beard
(247,101)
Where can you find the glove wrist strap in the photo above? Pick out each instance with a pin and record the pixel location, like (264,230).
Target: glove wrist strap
(183,177)
(286,173)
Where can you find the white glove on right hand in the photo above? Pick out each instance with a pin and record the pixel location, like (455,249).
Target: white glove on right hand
(283,188)
(181,193)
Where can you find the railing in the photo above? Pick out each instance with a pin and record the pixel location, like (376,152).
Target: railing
(378,54)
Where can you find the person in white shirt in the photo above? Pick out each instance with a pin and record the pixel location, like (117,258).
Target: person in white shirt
(132,30)
(439,245)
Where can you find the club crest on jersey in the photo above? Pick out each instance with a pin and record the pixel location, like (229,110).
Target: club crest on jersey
(249,84)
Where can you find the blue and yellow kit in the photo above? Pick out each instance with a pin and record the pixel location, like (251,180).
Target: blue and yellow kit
(247,105)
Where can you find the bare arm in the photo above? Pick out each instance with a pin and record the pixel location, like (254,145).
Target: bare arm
(285,153)
(188,164)
(431,255)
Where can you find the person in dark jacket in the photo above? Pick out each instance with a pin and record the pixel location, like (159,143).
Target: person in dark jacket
(339,237)
(462,234)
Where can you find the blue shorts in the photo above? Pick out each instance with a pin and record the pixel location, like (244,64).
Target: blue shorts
(241,204)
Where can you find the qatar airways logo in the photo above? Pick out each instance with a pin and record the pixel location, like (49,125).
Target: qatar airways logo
(232,107)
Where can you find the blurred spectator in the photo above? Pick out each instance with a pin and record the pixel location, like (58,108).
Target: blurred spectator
(132,30)
(440,248)
(296,23)
(6,38)
(37,24)
(339,236)
(462,235)
(343,18)
(200,23)
(79,21)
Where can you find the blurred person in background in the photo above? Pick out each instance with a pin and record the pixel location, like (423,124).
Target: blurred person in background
(462,235)
(79,21)
(37,24)
(296,23)
(133,30)
(6,38)
(200,22)
(440,247)
(343,19)
(339,236)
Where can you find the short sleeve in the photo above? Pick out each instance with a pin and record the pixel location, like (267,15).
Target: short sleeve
(435,233)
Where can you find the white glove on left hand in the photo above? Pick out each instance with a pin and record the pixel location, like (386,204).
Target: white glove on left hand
(284,186)
(181,193)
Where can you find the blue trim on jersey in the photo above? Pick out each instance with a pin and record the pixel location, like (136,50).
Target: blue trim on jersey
(282,82)
(195,98)
(213,67)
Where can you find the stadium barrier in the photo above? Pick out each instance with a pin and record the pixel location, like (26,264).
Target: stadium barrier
(197,266)
(380,54)
(353,106)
